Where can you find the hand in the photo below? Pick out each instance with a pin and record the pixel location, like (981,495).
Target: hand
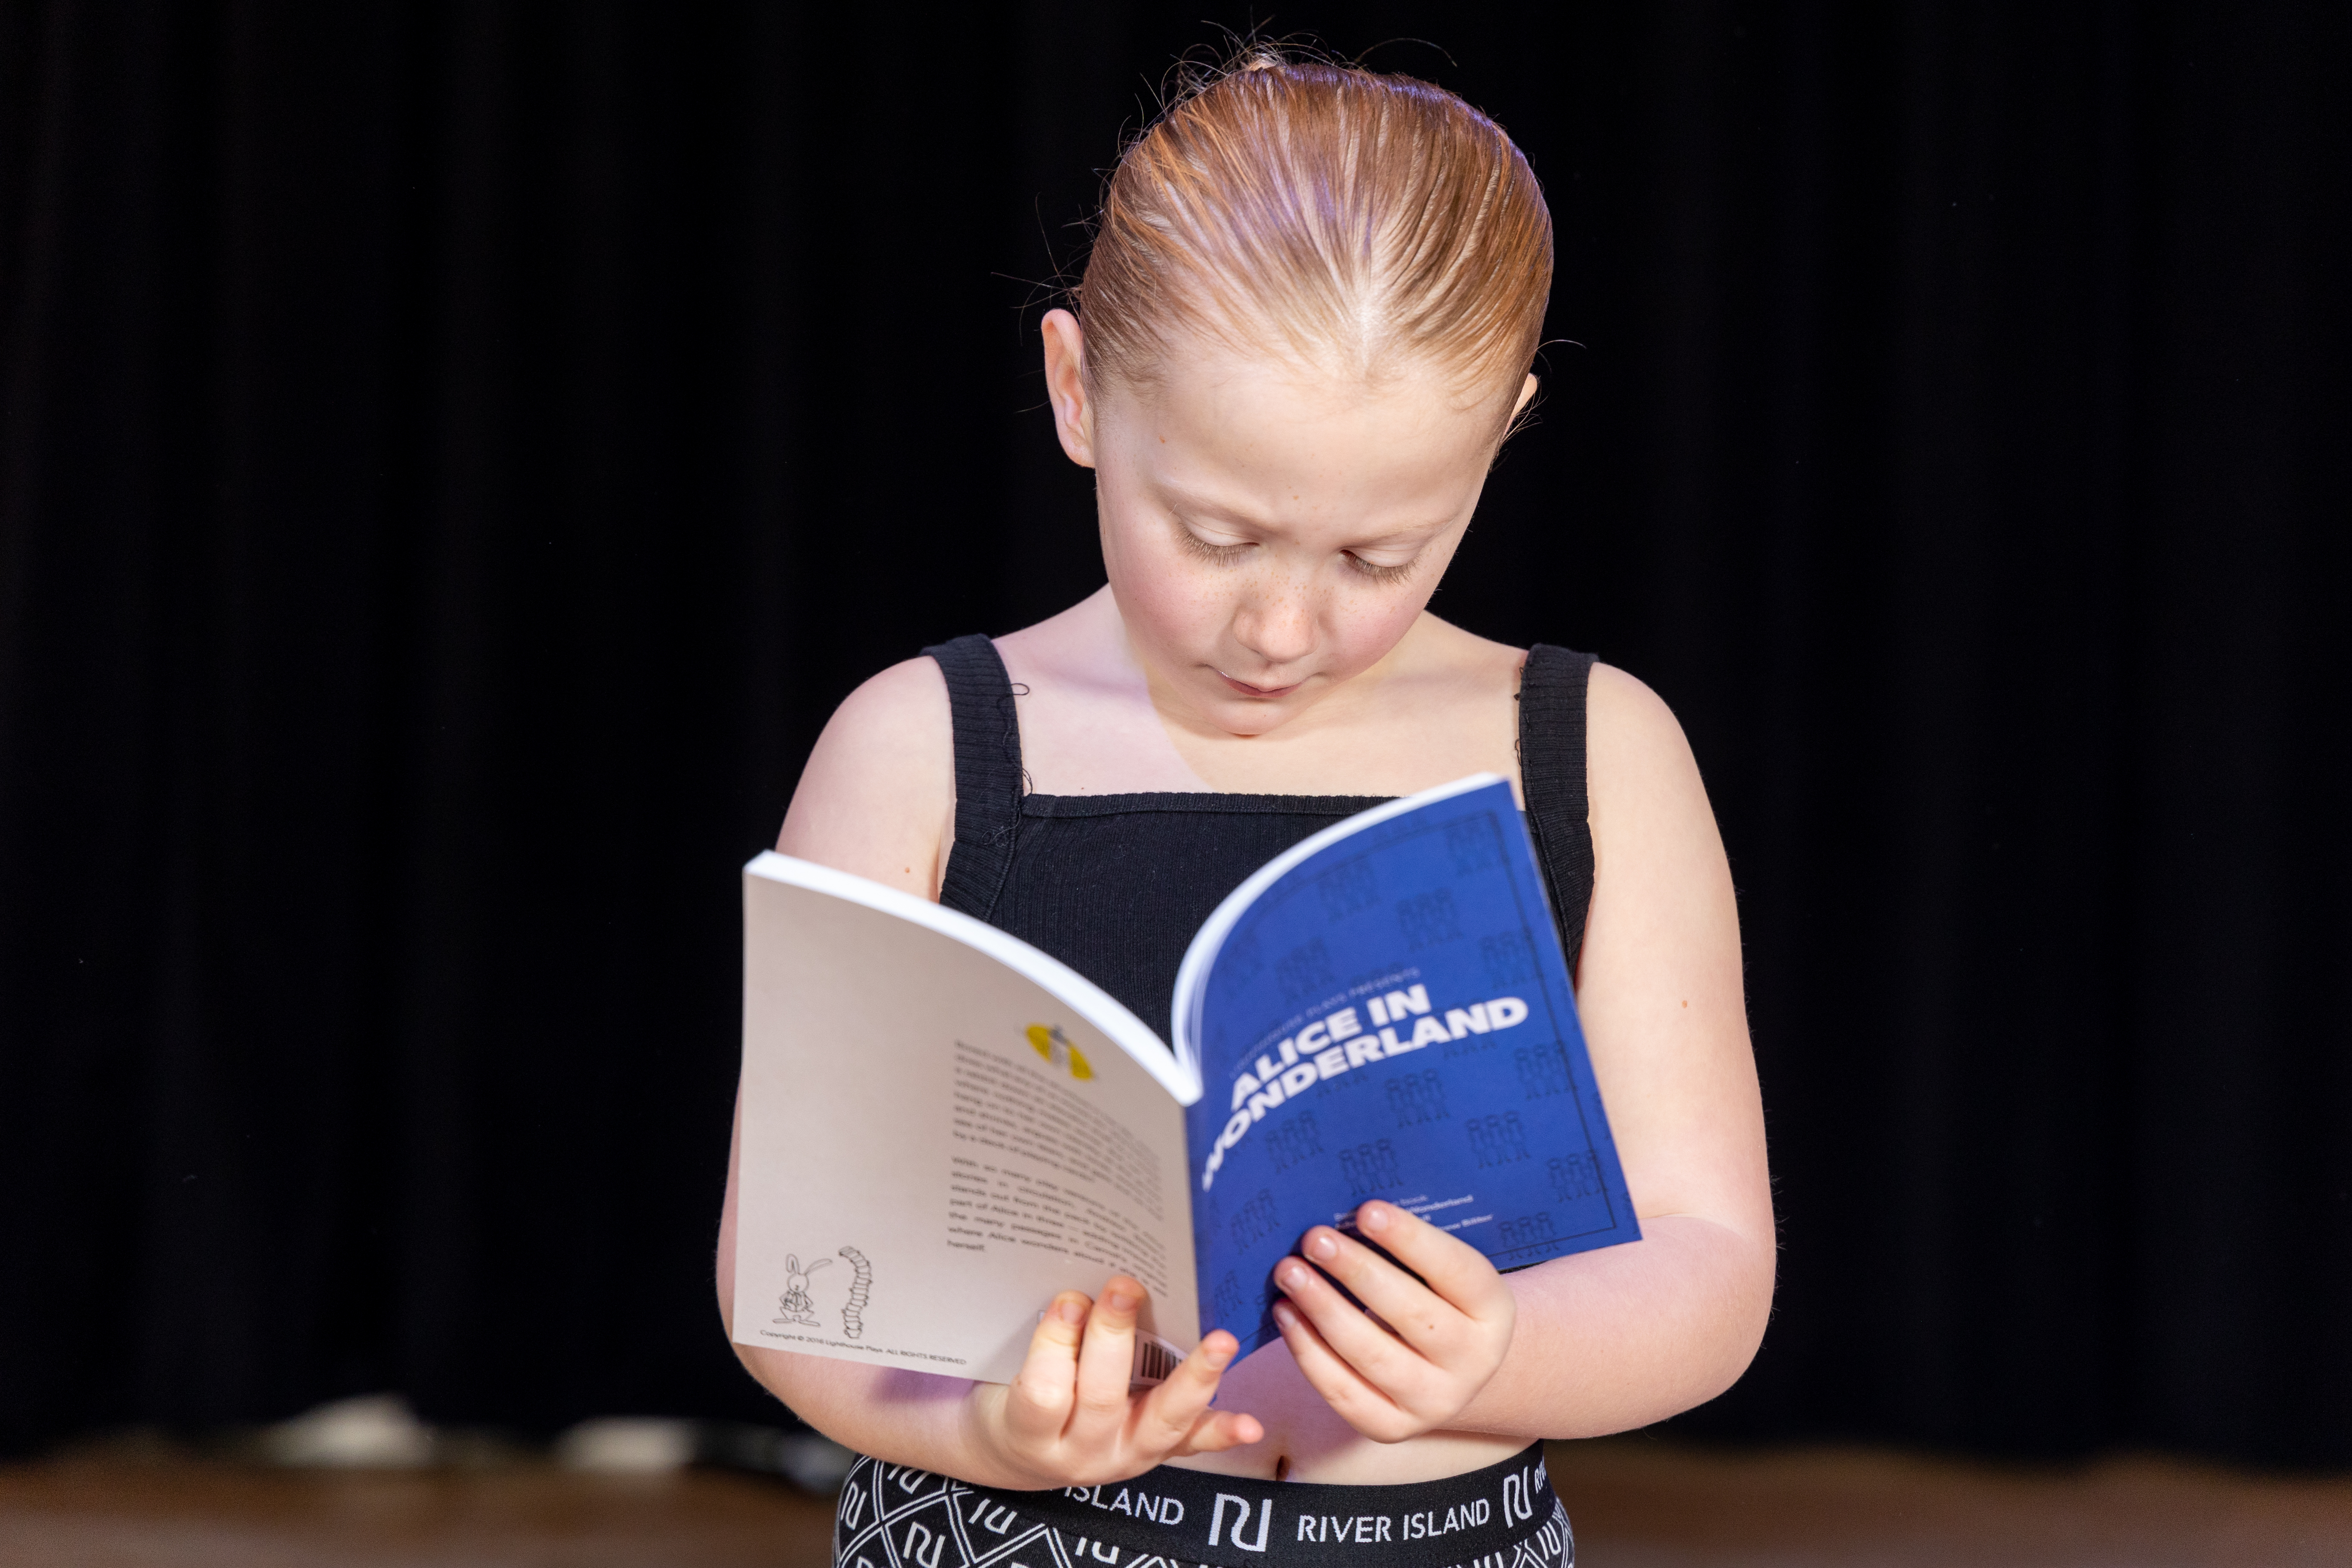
(1420,1362)
(1069,1420)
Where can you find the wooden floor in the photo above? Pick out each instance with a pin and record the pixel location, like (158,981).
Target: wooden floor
(1635,1503)
(1640,1504)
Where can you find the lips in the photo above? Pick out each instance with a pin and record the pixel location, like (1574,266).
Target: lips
(1247,690)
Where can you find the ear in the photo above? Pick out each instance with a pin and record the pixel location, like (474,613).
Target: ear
(792,1263)
(1526,392)
(1066,386)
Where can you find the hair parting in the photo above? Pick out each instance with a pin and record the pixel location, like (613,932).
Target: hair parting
(1361,222)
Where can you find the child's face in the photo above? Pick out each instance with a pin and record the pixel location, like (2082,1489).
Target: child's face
(1270,533)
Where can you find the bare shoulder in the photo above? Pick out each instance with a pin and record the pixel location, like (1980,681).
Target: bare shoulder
(877,796)
(1635,750)
(1654,840)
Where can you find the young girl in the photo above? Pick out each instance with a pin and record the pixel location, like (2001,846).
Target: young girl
(1304,329)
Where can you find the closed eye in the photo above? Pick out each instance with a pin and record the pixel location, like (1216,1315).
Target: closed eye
(1378,574)
(1224,555)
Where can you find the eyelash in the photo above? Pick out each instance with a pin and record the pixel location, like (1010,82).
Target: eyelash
(1396,573)
(1226,553)
(1220,553)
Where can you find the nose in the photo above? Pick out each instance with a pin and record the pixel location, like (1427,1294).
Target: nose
(1275,621)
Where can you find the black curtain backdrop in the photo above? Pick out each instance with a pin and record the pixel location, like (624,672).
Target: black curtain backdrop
(452,458)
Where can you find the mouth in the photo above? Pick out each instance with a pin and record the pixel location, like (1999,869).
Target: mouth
(1247,690)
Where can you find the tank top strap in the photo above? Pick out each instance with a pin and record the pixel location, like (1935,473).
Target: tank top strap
(1551,775)
(988,776)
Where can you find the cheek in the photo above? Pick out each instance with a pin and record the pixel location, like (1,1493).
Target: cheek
(1165,595)
(1362,627)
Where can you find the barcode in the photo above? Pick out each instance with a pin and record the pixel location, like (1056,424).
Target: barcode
(1155,1358)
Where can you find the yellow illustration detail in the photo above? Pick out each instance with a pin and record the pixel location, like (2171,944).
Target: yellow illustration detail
(1049,1042)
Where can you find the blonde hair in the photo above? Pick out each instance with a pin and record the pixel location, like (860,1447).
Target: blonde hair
(1362,222)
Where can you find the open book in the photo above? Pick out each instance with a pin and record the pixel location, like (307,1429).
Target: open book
(943,1127)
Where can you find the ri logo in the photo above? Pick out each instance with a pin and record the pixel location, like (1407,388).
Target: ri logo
(1049,1042)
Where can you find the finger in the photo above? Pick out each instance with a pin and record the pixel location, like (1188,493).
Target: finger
(1383,1360)
(1107,1359)
(1424,1319)
(1218,1430)
(1360,1405)
(1041,1396)
(1168,1413)
(1450,1266)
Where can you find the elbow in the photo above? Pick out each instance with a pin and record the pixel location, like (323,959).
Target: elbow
(1742,1311)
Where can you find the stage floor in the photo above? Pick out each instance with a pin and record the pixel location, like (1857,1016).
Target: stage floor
(1636,1504)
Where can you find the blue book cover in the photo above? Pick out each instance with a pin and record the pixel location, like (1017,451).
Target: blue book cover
(1385,1012)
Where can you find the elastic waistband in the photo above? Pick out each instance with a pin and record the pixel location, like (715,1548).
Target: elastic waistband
(1195,1517)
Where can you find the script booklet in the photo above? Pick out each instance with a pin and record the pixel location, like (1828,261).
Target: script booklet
(942,1126)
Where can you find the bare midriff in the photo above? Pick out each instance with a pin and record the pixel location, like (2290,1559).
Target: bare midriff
(1306,1440)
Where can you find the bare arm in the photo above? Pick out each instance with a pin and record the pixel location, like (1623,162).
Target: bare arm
(1604,1341)
(877,799)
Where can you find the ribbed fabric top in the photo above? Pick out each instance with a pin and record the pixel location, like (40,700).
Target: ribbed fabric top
(1115,885)
(1551,781)
(989,781)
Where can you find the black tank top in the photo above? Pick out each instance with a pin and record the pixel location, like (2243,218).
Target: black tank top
(1115,885)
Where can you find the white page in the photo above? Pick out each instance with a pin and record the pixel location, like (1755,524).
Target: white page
(908,1145)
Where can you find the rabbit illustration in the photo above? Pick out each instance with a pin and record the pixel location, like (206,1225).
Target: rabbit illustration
(799,1306)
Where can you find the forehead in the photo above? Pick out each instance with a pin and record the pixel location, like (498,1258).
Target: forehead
(1229,420)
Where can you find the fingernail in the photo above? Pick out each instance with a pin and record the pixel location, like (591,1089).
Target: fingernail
(1285,1313)
(1293,1276)
(1375,1217)
(1121,1301)
(1322,1248)
(1071,1312)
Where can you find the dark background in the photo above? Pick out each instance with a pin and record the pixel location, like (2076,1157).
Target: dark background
(452,458)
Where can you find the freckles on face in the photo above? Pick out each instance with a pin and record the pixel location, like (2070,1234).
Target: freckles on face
(1269,532)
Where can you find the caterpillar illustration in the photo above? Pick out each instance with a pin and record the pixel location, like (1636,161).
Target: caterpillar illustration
(853,1315)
